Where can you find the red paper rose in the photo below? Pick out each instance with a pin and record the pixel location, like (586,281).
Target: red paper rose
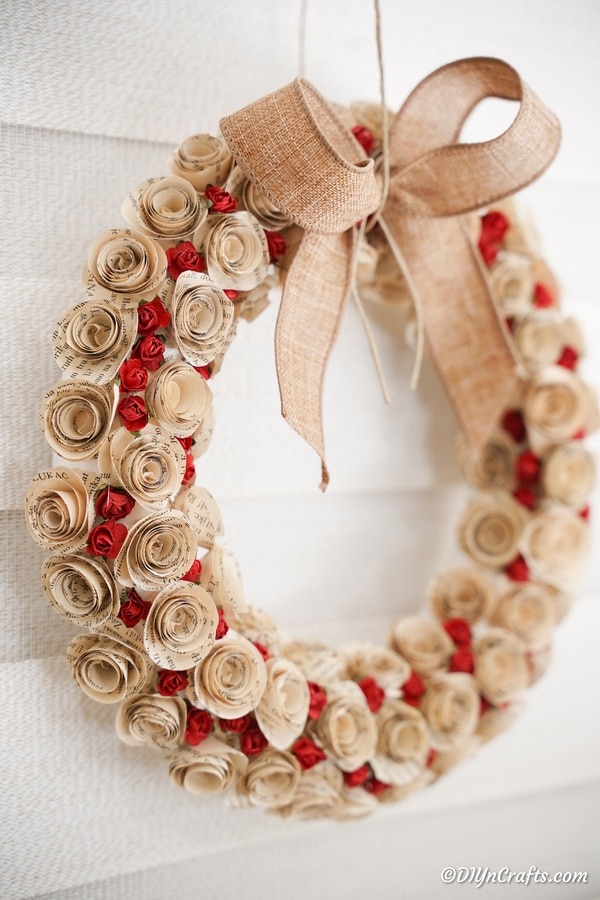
(488,251)
(190,469)
(133,375)
(462,661)
(514,423)
(459,631)
(186,443)
(373,692)
(542,298)
(568,358)
(525,496)
(528,466)
(364,136)
(150,351)
(276,244)
(262,650)
(318,700)
(358,777)
(253,741)
(170,683)
(132,412)
(413,689)
(198,726)
(134,609)
(235,726)
(114,503)
(204,371)
(307,753)
(193,573)
(221,201)
(518,569)
(184,258)
(494,226)
(222,627)
(106,539)
(375,786)
(152,316)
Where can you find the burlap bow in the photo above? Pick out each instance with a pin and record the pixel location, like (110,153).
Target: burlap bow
(294,147)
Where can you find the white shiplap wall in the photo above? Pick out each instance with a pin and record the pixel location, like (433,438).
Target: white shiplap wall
(93,96)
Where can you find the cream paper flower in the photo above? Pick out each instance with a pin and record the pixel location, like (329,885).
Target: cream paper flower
(202,160)
(232,678)
(346,729)
(555,545)
(494,721)
(126,263)
(500,666)
(493,466)
(270,780)
(201,510)
(316,661)
(236,250)
(386,666)
(318,794)
(81,589)
(451,707)
(527,611)
(221,578)
(568,474)
(91,340)
(59,513)
(105,669)
(158,550)
(166,209)
(180,627)
(150,464)
(557,405)
(210,768)
(77,416)
(283,708)
(512,280)
(253,199)
(202,436)
(202,317)
(178,398)
(491,528)
(538,336)
(151,720)
(538,660)
(402,743)
(423,642)
(460,594)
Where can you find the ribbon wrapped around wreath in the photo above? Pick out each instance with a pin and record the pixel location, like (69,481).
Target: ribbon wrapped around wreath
(294,147)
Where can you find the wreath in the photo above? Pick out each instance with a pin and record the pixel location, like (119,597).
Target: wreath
(328,202)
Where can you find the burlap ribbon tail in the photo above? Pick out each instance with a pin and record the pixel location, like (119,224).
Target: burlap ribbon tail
(294,147)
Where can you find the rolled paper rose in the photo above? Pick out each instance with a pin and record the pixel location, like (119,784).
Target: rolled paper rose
(166,209)
(200,507)
(202,160)
(555,545)
(500,666)
(346,729)
(538,336)
(538,660)
(58,509)
(77,417)
(209,768)
(151,720)
(568,474)
(126,263)
(91,340)
(493,466)
(270,780)
(374,661)
(494,721)
(557,406)
(511,277)
(319,794)
(253,199)
(202,318)
(232,678)
(202,436)
(283,708)
(81,589)
(105,669)
(178,398)
(423,642)
(316,661)
(460,594)
(257,626)
(221,578)
(402,743)
(451,707)
(158,550)
(446,760)
(181,625)
(149,465)
(491,528)
(527,611)
(236,250)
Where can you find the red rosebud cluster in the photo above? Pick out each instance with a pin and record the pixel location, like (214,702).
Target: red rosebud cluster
(365,138)
(252,741)
(106,539)
(113,503)
(220,201)
(132,412)
(494,226)
(152,316)
(413,689)
(133,376)
(276,244)
(374,693)
(318,700)
(235,726)
(307,753)
(184,258)
(222,626)
(134,609)
(150,351)
(462,658)
(358,777)
(170,683)
(198,726)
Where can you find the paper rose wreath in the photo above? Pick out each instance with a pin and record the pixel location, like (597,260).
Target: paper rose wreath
(137,556)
